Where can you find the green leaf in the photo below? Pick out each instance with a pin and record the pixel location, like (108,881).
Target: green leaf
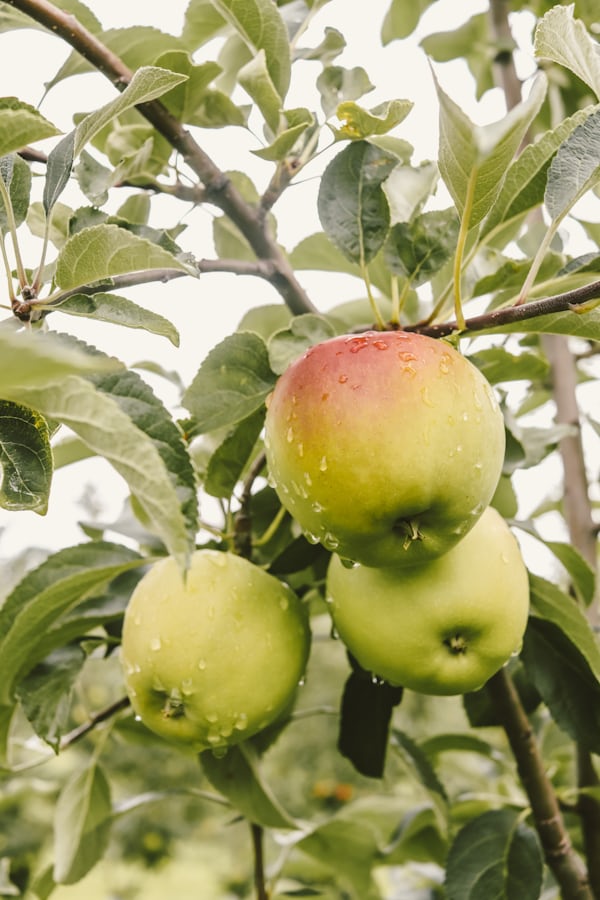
(81,824)
(473,159)
(418,249)
(525,182)
(202,23)
(401,19)
(495,855)
(349,848)
(566,41)
(21,124)
(360,123)
(419,763)
(45,694)
(366,711)
(575,167)
(261,27)
(232,382)
(100,251)
(46,593)
(30,359)
(60,221)
(407,189)
(289,343)
(567,684)
(16,175)
(337,84)
(136,46)
(119,311)
(121,419)
(553,605)
(148,83)
(227,463)
(298,121)
(185,99)
(237,776)
(256,80)
(500,365)
(25,457)
(352,206)
(471,42)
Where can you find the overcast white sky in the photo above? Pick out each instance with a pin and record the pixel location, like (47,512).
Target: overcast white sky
(206,310)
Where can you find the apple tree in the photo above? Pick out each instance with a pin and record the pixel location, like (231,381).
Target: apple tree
(367,772)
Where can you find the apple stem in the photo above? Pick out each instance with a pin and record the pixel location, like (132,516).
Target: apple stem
(410,529)
(257,832)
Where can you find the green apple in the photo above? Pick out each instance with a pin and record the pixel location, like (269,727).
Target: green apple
(213,660)
(384,446)
(443,627)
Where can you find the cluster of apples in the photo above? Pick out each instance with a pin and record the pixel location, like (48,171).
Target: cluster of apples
(387,448)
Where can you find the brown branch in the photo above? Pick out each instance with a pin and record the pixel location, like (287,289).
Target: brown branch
(569,301)
(218,188)
(80,732)
(560,856)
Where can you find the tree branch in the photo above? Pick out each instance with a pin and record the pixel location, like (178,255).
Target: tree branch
(80,732)
(219,191)
(569,301)
(564,863)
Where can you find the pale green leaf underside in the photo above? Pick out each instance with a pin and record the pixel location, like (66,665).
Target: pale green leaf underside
(98,252)
(575,168)
(110,432)
(21,124)
(148,83)
(474,159)
(31,359)
(25,458)
(261,27)
(119,311)
(565,40)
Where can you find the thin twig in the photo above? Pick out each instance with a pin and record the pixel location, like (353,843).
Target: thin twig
(80,732)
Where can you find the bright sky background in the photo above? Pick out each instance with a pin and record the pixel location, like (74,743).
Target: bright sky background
(206,310)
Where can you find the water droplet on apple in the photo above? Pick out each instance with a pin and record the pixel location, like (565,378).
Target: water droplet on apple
(478,466)
(330,542)
(212,718)
(187,687)
(477,402)
(284,603)
(426,398)
(323,464)
(300,449)
(301,683)
(380,345)
(202,664)
(311,537)
(459,448)
(137,718)
(137,619)
(343,379)
(444,367)
(219,752)
(271,480)
(241,723)
(213,737)
(333,634)
(465,417)
(307,478)
(226,731)
(155,643)
(290,435)
(218,559)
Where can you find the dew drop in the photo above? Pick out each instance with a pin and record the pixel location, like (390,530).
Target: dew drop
(218,558)
(317,507)
(300,449)
(202,664)
(137,718)
(301,683)
(343,379)
(323,464)
(137,620)
(380,345)
(465,417)
(307,478)
(155,644)
(187,687)
(426,398)
(478,467)
(241,723)
(290,435)
(226,731)
(213,738)
(444,367)
(330,541)
(311,537)
(271,480)
(212,718)
(284,603)
(219,752)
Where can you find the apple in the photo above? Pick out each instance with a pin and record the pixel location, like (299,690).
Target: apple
(443,627)
(214,659)
(385,446)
